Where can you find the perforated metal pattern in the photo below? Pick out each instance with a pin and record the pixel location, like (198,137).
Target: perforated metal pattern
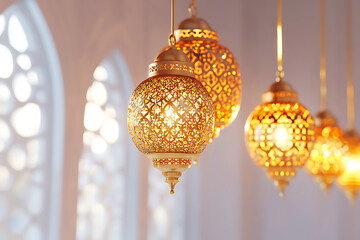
(280,136)
(196,34)
(325,159)
(170,114)
(217,69)
(349,180)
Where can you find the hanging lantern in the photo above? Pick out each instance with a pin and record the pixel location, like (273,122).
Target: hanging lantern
(170,115)
(279,133)
(325,163)
(215,67)
(350,179)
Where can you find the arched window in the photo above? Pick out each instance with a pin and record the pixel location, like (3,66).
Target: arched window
(107,200)
(31,123)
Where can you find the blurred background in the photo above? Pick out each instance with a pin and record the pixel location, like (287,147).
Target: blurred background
(68,169)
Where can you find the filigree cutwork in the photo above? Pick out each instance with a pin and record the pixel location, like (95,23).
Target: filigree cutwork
(280,135)
(326,157)
(171,161)
(218,71)
(155,67)
(349,180)
(170,114)
(196,34)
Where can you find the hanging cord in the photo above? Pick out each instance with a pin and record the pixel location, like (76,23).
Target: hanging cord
(323,90)
(350,80)
(280,72)
(193,9)
(172,39)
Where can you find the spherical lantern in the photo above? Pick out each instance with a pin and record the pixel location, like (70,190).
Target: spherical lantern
(215,67)
(325,162)
(279,134)
(170,115)
(350,178)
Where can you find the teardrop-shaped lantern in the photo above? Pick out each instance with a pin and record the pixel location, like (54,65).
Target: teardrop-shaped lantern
(215,67)
(279,133)
(350,178)
(325,163)
(170,115)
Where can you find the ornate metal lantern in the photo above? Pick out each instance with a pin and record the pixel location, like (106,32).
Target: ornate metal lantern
(215,67)
(170,116)
(279,133)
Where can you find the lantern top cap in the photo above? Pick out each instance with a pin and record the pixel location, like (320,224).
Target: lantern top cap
(194,23)
(325,118)
(172,54)
(195,29)
(171,62)
(280,92)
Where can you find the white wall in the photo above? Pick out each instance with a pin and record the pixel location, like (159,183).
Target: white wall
(237,201)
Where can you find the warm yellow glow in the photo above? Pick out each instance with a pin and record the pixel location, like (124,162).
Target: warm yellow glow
(171,119)
(325,162)
(350,178)
(218,71)
(279,138)
(353,166)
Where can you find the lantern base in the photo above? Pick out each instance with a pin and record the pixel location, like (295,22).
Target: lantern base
(325,182)
(195,161)
(281,177)
(351,193)
(172,169)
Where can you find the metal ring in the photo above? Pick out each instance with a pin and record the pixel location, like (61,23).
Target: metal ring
(172,40)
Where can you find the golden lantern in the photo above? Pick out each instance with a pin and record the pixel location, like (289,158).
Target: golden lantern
(170,115)
(215,67)
(325,161)
(279,133)
(349,180)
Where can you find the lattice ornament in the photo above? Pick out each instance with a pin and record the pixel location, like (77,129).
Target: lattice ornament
(171,119)
(349,180)
(279,138)
(325,161)
(170,114)
(217,69)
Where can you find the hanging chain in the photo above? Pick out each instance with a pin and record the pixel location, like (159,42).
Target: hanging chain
(280,72)
(193,9)
(350,80)
(172,39)
(323,90)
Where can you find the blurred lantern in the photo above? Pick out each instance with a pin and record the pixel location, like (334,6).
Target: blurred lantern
(170,115)
(279,133)
(325,162)
(325,159)
(350,179)
(215,67)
